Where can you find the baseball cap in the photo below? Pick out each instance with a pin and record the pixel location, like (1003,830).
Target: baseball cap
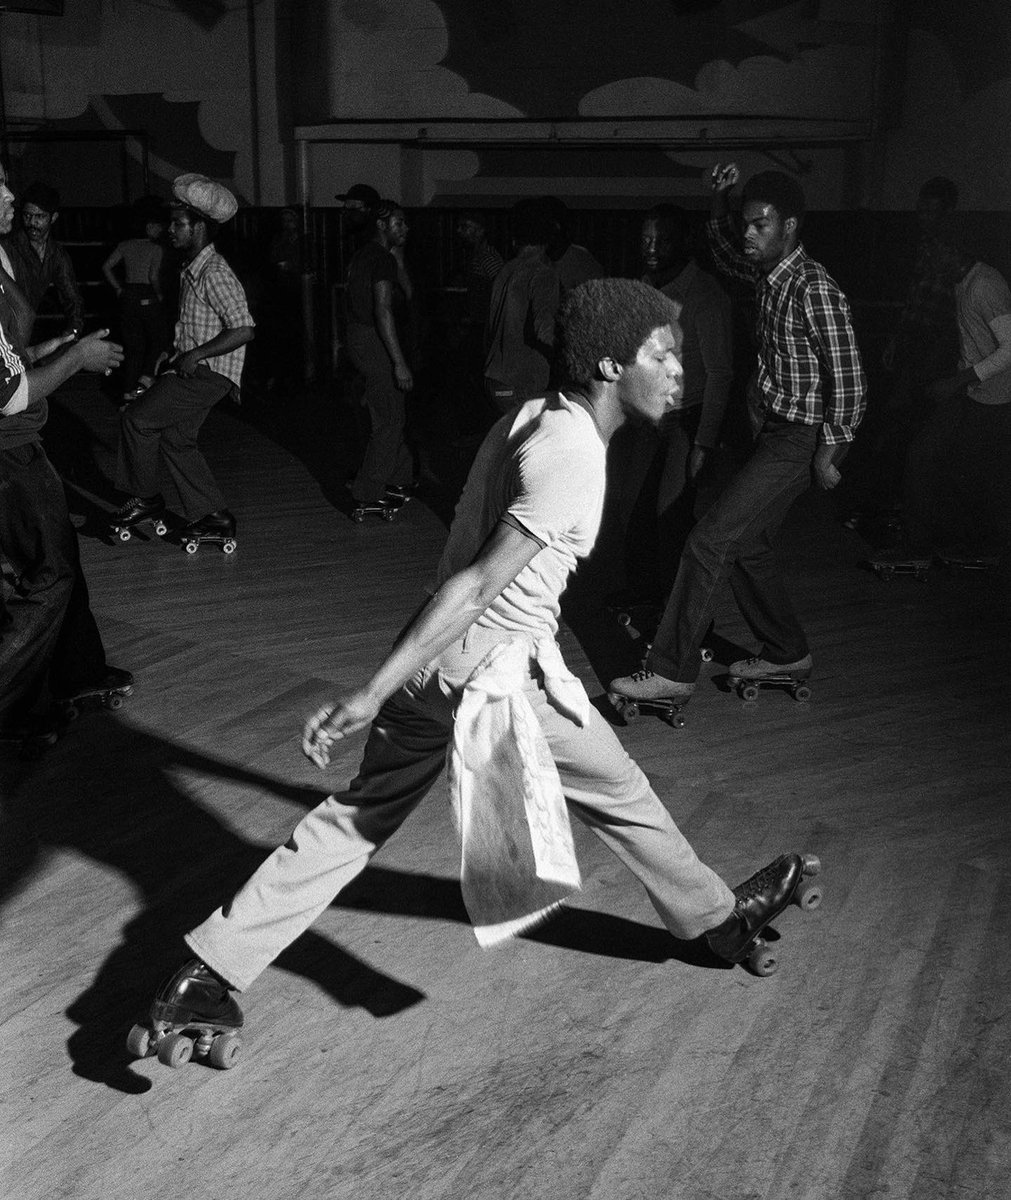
(368,196)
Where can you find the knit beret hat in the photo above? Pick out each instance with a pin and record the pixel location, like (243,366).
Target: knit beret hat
(208,198)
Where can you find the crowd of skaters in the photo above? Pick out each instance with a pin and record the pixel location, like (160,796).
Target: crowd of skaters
(937,451)
(580,376)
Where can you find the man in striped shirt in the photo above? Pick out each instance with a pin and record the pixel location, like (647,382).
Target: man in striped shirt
(210,338)
(806,399)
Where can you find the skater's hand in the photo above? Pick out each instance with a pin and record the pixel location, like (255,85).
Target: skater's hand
(826,473)
(97,354)
(335,721)
(724,176)
(404,379)
(185,364)
(696,460)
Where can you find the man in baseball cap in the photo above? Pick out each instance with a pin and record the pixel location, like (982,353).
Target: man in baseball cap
(211,334)
(357,216)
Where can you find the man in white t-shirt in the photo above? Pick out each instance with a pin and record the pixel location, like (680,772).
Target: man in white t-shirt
(530,510)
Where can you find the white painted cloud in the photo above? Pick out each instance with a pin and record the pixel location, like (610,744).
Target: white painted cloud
(831,82)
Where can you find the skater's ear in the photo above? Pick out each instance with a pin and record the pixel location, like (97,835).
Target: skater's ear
(609,370)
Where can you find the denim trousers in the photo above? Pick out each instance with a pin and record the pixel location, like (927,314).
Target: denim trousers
(404,757)
(733,542)
(48,637)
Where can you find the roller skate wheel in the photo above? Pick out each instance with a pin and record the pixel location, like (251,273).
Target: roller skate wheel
(762,959)
(802,693)
(225,1050)
(114,701)
(625,708)
(706,653)
(192,547)
(749,692)
(160,528)
(138,1042)
(69,711)
(124,535)
(358,516)
(811,864)
(807,896)
(228,547)
(176,1050)
(625,619)
(389,514)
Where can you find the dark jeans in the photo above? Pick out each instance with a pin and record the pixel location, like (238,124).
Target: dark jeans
(162,426)
(48,636)
(733,542)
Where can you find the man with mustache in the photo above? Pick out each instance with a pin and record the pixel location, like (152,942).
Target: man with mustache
(806,399)
(50,645)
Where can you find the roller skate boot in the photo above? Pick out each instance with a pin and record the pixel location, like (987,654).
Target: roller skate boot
(135,511)
(758,901)
(387,508)
(644,691)
(110,689)
(217,528)
(748,675)
(193,1012)
(902,560)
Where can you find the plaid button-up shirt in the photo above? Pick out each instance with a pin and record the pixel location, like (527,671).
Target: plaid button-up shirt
(211,299)
(809,367)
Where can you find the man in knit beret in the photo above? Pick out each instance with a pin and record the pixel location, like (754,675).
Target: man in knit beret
(211,334)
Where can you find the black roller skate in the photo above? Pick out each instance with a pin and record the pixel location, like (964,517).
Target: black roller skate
(134,512)
(110,690)
(218,528)
(759,900)
(193,1012)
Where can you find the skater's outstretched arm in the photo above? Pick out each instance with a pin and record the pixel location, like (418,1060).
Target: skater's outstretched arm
(446,617)
(94,352)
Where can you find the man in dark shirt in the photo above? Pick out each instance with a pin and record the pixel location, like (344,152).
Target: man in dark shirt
(374,290)
(524,302)
(40,262)
(673,462)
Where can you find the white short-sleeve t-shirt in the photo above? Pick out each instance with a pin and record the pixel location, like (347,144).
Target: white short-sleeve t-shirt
(542,468)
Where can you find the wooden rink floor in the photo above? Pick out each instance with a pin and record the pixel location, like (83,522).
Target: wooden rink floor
(386,1055)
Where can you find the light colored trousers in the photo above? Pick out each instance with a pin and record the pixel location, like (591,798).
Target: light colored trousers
(404,757)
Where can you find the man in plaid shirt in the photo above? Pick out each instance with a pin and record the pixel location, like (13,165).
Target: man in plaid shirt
(210,338)
(806,399)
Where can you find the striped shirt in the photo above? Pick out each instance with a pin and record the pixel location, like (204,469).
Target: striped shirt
(809,367)
(15,314)
(211,299)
